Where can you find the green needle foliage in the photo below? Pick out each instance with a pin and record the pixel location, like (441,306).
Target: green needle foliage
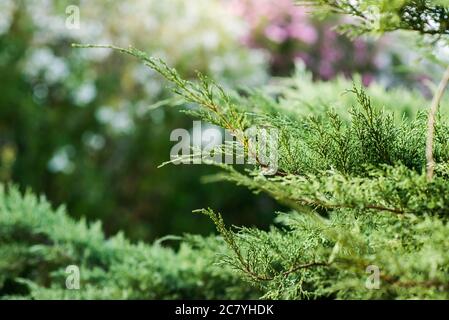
(355,180)
(424,16)
(364,222)
(38,243)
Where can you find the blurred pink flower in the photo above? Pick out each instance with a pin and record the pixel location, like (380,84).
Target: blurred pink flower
(303,32)
(276,33)
(326,71)
(360,51)
(288,32)
(367,79)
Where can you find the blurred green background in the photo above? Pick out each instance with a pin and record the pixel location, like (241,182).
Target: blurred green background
(82,127)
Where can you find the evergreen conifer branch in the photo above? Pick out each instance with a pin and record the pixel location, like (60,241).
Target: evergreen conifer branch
(428,17)
(211,97)
(336,168)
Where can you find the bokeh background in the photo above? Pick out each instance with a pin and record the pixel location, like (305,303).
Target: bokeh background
(88,128)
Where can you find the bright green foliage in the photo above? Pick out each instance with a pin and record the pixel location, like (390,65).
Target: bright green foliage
(299,96)
(425,16)
(352,174)
(356,183)
(38,243)
(311,257)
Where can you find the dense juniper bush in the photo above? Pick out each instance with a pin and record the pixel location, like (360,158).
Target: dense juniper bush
(362,172)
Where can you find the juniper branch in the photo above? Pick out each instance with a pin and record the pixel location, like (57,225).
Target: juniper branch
(202,94)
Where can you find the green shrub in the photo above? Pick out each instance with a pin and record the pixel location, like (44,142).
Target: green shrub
(367,220)
(37,244)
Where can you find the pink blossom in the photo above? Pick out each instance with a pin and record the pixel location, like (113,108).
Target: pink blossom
(276,33)
(367,79)
(288,32)
(303,32)
(360,51)
(326,70)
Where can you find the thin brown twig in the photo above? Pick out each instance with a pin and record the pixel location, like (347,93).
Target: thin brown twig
(431,124)
(293,269)
(324,205)
(431,283)
(305,266)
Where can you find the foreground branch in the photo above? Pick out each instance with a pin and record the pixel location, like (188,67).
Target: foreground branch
(431,124)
